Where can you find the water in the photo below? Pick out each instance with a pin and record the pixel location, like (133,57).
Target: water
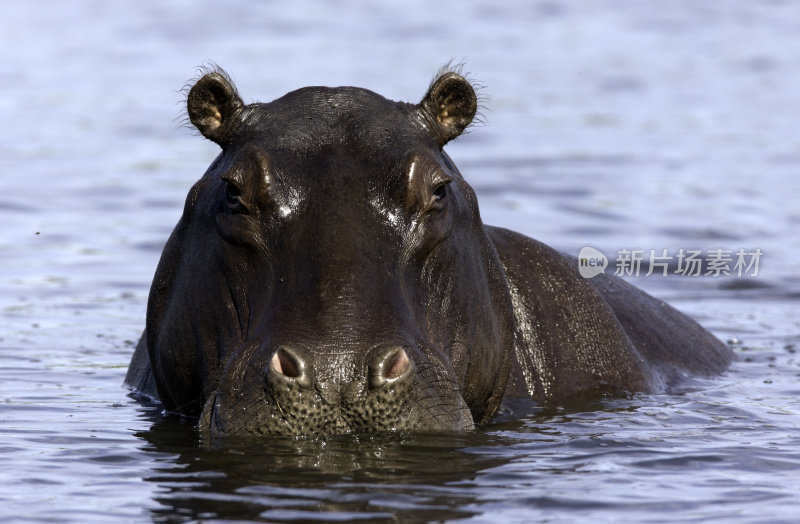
(619,125)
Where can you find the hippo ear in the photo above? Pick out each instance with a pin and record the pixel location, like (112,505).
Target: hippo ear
(449,106)
(213,103)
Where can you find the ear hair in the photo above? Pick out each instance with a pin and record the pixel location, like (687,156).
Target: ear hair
(212,104)
(450,105)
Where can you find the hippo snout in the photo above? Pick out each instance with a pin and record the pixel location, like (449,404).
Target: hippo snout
(308,392)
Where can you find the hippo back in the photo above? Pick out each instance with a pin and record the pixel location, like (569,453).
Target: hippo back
(580,337)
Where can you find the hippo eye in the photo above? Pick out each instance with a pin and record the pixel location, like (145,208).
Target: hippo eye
(233,198)
(440,191)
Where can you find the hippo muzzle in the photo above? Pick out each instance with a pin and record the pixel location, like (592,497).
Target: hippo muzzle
(288,397)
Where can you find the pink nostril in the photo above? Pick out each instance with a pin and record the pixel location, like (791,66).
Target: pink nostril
(396,365)
(286,363)
(389,364)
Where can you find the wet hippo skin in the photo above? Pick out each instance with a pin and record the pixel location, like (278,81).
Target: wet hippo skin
(331,274)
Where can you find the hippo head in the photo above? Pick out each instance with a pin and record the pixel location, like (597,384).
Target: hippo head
(330,272)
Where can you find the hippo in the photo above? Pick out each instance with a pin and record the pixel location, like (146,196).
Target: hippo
(331,274)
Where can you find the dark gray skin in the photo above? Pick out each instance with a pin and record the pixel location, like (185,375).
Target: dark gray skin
(331,274)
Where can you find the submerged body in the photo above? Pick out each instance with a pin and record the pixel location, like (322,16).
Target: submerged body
(331,274)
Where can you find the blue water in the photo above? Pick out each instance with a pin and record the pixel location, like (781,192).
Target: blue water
(612,124)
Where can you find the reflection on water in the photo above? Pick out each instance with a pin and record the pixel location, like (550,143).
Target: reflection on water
(610,124)
(325,479)
(384,476)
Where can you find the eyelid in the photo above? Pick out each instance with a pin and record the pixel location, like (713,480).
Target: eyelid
(233,185)
(233,200)
(232,178)
(440,180)
(426,176)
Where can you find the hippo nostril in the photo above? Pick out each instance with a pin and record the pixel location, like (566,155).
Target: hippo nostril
(397,364)
(287,363)
(389,365)
(284,363)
